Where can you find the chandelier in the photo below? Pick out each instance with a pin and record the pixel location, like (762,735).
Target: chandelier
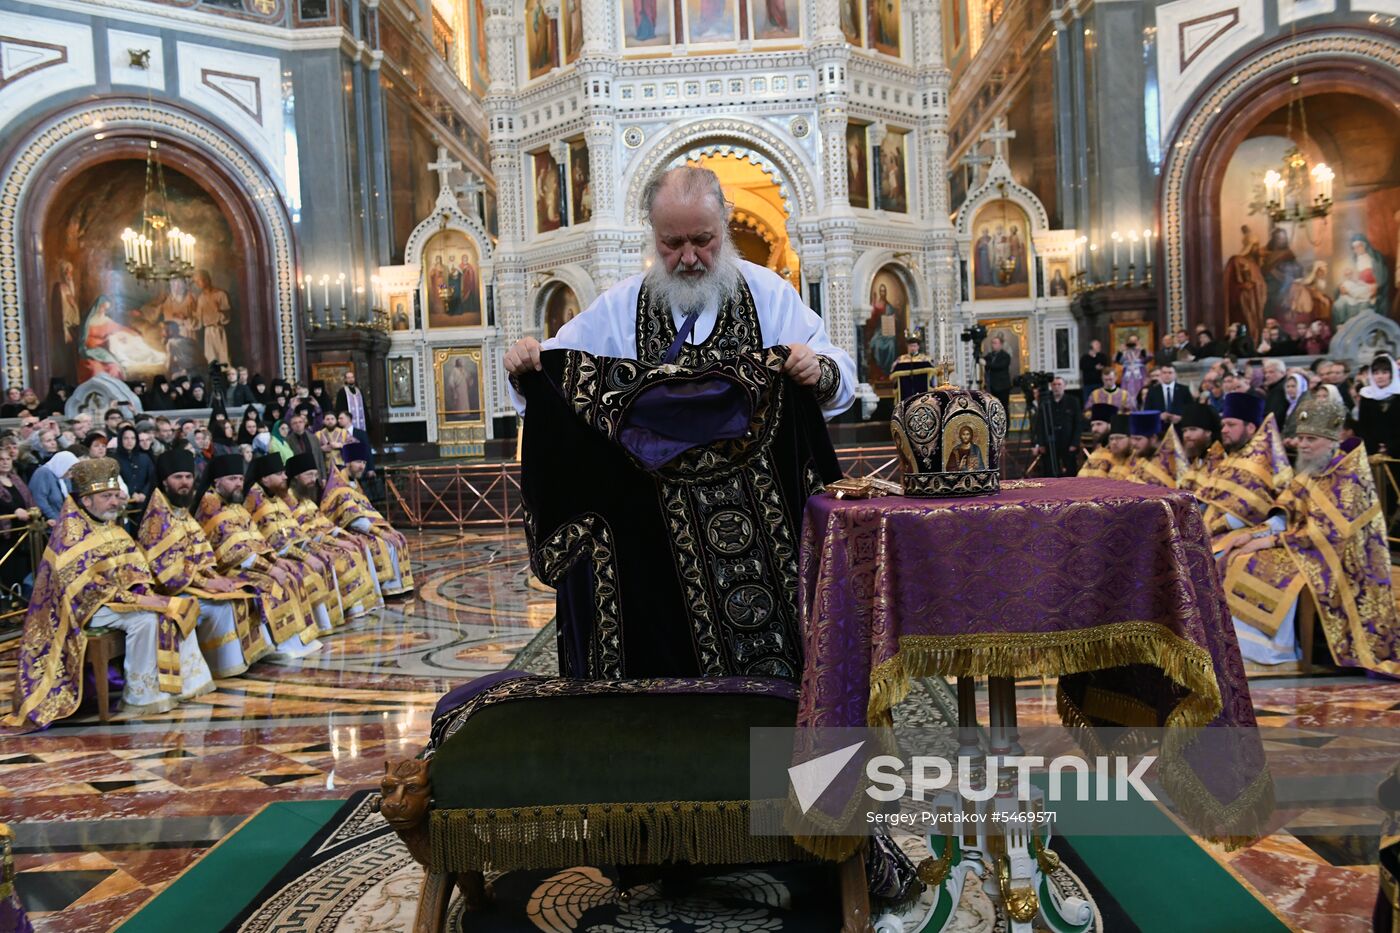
(159,251)
(1295,191)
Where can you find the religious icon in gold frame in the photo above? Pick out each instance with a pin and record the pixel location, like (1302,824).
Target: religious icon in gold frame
(400,381)
(457,373)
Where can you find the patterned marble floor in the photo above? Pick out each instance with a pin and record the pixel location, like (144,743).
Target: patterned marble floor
(108,815)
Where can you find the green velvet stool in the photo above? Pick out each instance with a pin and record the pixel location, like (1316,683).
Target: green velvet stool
(635,779)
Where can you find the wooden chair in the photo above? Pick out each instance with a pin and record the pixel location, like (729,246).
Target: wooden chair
(104,645)
(1307,626)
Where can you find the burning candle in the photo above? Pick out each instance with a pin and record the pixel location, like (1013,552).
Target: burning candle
(341,280)
(1117,238)
(326,290)
(308,292)
(1147,250)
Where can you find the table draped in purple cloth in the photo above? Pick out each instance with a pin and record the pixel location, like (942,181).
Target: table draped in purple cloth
(1111,586)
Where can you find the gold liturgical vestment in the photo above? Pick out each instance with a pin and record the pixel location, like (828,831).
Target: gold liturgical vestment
(1333,551)
(183,563)
(239,548)
(352,590)
(345,504)
(1248,483)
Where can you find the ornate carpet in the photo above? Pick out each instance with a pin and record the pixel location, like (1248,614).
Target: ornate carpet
(356,877)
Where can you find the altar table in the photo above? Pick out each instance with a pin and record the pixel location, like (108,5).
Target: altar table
(1109,586)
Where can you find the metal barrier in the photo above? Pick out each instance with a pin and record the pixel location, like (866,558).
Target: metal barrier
(21,548)
(481,495)
(1385,470)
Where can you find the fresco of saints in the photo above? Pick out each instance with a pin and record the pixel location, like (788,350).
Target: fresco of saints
(106,345)
(437,286)
(892,193)
(1059,288)
(776,12)
(644,18)
(573,29)
(983,268)
(1016,249)
(64,301)
(454,287)
(546,193)
(715,21)
(884,321)
(468,281)
(463,398)
(850,20)
(1245,289)
(966,455)
(212,311)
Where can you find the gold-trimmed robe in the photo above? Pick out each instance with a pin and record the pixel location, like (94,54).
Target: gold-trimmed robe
(1247,484)
(345,504)
(1198,471)
(239,548)
(1101,464)
(87,565)
(1165,468)
(274,522)
(183,563)
(1335,548)
(361,586)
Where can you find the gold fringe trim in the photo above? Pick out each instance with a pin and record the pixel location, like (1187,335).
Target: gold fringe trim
(695,832)
(1050,654)
(1233,825)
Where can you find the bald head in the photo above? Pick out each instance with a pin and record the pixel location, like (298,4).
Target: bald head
(685,185)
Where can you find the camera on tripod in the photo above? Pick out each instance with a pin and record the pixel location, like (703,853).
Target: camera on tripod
(1029,382)
(975,333)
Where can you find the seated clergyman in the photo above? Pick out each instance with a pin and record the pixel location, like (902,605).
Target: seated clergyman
(270,501)
(94,575)
(230,628)
(1114,459)
(262,489)
(240,549)
(304,496)
(1324,540)
(1240,491)
(346,504)
(1158,459)
(1200,442)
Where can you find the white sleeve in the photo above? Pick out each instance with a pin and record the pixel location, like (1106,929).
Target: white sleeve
(361,524)
(786,319)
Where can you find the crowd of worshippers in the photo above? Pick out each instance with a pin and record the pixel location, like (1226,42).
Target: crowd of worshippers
(1069,421)
(230,563)
(1281,470)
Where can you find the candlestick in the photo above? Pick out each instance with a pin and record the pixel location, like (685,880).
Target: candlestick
(1147,253)
(326,292)
(307,282)
(1132,249)
(1093,255)
(340,279)
(1117,238)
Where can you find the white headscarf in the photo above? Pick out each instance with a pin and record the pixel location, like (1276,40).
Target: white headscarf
(59,465)
(1302,383)
(1374,391)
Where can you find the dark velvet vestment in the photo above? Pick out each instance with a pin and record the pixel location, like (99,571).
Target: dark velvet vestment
(688,569)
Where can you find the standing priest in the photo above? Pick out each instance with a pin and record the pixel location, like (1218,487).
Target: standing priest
(680,558)
(94,576)
(230,630)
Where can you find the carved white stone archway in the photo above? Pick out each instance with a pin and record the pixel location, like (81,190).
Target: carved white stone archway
(760,143)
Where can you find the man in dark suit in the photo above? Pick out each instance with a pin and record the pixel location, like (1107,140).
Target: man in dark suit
(1063,411)
(998,363)
(1168,396)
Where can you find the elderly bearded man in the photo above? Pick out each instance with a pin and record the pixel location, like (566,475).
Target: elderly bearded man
(346,504)
(698,299)
(94,576)
(1325,541)
(230,633)
(706,584)
(352,586)
(240,549)
(304,498)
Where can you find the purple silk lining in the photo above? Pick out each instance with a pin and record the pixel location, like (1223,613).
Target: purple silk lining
(672,417)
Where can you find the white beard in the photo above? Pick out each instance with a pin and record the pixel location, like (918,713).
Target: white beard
(712,288)
(1306,465)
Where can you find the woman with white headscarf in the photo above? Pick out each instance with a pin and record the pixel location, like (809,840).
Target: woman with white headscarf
(1294,389)
(49,485)
(1378,410)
